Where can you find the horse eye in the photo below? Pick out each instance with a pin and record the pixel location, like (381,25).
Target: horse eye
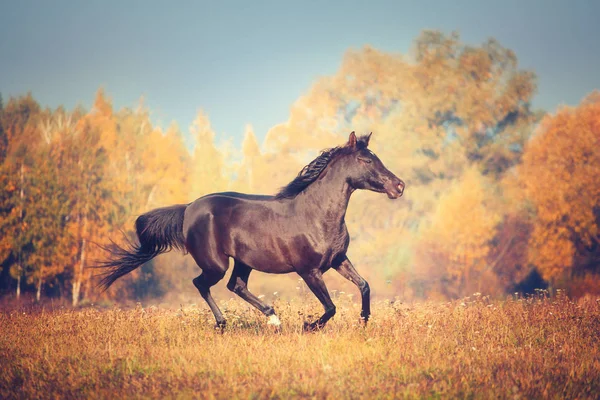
(365,160)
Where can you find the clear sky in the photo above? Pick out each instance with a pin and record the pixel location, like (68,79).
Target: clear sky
(247,61)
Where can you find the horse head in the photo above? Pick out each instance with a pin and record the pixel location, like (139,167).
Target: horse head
(366,171)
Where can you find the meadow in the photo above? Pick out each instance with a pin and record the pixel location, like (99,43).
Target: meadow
(535,347)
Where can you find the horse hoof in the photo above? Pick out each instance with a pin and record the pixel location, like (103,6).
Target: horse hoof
(310,327)
(220,326)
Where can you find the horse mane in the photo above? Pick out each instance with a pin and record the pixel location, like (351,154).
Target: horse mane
(313,170)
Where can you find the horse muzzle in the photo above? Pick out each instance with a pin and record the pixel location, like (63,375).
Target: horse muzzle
(395,188)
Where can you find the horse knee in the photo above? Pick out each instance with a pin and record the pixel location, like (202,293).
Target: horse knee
(197,282)
(204,281)
(364,288)
(235,286)
(330,312)
(231,285)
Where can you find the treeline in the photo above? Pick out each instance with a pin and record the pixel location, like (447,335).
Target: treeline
(500,197)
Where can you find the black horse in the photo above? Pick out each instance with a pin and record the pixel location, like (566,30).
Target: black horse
(301,229)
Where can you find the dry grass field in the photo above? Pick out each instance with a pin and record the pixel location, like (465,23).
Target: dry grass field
(538,347)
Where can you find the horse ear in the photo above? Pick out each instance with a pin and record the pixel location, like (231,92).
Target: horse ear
(368,138)
(352,140)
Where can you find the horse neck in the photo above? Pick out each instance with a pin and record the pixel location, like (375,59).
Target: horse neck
(327,197)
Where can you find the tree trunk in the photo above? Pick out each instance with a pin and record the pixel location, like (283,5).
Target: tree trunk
(38,293)
(19,284)
(75,291)
(150,195)
(79,274)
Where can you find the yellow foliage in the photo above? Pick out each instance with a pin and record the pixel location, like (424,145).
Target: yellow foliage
(208,161)
(461,229)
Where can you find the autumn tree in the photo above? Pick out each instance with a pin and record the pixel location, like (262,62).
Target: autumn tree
(74,179)
(19,119)
(89,182)
(207,161)
(457,240)
(46,218)
(561,178)
(253,167)
(157,168)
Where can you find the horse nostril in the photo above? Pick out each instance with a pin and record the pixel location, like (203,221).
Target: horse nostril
(401,186)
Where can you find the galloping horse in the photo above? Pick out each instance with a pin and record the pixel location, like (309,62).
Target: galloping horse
(301,229)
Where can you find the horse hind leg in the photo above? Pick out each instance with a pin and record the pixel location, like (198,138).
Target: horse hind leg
(238,283)
(212,272)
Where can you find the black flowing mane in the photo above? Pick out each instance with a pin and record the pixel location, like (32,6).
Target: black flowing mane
(313,170)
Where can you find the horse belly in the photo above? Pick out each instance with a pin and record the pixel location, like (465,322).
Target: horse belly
(260,253)
(265,261)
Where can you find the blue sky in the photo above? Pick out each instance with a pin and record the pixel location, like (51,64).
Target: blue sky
(247,61)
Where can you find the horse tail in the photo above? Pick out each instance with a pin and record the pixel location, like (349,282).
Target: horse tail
(158,231)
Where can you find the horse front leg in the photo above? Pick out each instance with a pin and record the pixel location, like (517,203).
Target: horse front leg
(346,269)
(314,280)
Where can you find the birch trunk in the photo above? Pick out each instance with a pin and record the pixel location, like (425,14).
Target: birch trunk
(38,293)
(79,273)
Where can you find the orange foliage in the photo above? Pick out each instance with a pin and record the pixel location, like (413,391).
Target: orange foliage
(561,177)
